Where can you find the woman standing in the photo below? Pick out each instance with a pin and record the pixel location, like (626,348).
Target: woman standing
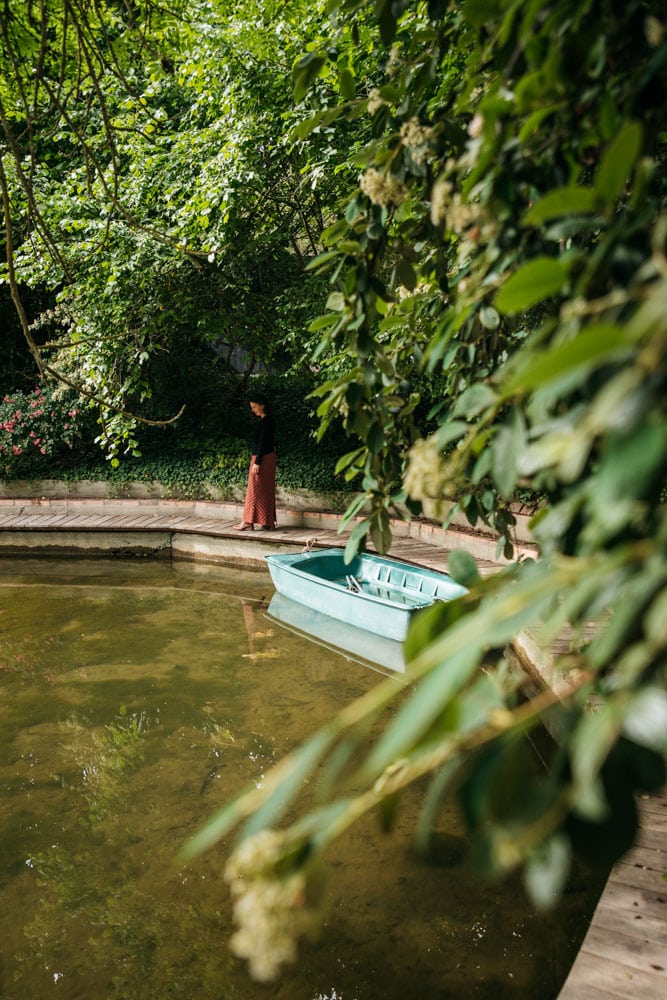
(260,499)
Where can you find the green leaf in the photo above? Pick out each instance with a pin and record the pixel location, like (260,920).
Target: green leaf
(655,621)
(429,623)
(305,71)
(323,322)
(489,318)
(428,815)
(631,464)
(429,700)
(302,763)
(347,85)
(480,12)
(214,830)
(384,11)
(535,281)
(591,744)
(304,128)
(336,301)
(562,201)
(618,160)
(381,532)
(637,592)
(546,871)
(474,400)
(296,768)
(405,275)
(324,258)
(375,438)
(645,720)
(508,446)
(594,345)
(475,703)
(348,459)
(462,567)
(534,120)
(358,533)
(453,430)
(353,509)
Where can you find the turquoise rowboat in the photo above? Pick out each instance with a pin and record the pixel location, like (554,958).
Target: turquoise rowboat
(371,592)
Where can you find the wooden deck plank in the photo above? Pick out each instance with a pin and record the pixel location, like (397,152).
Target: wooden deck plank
(655,812)
(634,900)
(7,518)
(640,877)
(643,956)
(624,953)
(648,837)
(610,978)
(28,521)
(611,915)
(642,856)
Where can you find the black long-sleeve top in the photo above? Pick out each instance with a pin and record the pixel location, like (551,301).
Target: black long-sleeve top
(263,438)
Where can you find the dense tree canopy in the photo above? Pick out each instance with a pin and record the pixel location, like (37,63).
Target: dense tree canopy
(150,186)
(504,235)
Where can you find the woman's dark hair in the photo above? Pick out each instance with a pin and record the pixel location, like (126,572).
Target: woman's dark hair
(259,397)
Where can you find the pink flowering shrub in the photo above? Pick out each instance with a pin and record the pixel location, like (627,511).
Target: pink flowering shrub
(38,427)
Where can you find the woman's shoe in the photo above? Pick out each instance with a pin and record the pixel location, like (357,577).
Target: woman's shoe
(245,526)
(269,527)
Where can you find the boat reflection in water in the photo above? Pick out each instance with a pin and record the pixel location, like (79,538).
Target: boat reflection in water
(374,651)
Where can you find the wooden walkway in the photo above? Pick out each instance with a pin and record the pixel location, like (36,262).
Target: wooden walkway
(624,954)
(203,530)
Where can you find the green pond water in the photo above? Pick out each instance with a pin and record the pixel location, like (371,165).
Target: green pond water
(135,699)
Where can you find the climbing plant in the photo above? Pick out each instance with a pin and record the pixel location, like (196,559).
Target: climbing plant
(507,233)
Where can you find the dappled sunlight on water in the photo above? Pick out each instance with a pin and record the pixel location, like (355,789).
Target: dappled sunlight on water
(136,699)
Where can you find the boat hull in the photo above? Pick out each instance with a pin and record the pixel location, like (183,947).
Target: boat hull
(388,595)
(374,651)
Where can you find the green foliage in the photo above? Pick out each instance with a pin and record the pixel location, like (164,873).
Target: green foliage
(151,188)
(508,237)
(206,452)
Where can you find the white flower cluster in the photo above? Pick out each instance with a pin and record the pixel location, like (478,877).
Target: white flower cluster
(654,31)
(417,138)
(270,911)
(448,206)
(441,195)
(475,126)
(467,219)
(383,189)
(462,214)
(375,101)
(425,475)
(394,60)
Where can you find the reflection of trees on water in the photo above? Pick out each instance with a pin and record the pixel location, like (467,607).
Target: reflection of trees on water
(116,888)
(106,759)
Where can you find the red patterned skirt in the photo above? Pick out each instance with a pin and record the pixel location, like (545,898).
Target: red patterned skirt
(260,498)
